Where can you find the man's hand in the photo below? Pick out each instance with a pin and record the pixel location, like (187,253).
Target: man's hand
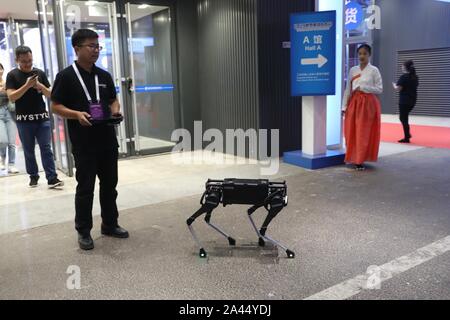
(39,86)
(83,119)
(31,82)
(116,118)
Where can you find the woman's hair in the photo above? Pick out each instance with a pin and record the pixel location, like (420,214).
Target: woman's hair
(367,47)
(409,66)
(1,67)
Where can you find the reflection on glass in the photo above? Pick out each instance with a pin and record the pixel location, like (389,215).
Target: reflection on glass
(150,50)
(97,17)
(6,57)
(77,15)
(51,63)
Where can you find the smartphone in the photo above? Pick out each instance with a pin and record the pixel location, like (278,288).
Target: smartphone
(34,74)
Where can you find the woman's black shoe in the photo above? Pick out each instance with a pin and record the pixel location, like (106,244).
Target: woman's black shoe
(404,141)
(360,167)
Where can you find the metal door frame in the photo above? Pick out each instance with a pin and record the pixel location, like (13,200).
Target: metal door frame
(120,30)
(131,121)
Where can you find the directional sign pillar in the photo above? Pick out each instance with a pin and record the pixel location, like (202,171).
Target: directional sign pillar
(313,72)
(314,125)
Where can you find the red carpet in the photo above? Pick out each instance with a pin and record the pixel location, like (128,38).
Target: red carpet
(425,136)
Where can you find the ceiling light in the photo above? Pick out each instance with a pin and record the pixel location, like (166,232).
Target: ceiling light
(91,3)
(143,6)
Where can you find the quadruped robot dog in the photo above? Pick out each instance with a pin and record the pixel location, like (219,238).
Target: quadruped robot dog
(258,193)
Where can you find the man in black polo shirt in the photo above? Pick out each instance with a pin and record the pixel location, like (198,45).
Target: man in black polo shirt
(79,93)
(25,86)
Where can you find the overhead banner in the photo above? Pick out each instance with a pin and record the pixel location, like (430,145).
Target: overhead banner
(313,53)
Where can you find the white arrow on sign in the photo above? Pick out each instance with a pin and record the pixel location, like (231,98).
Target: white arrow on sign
(320,61)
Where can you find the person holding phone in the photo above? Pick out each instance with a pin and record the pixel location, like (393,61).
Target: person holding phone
(362,111)
(26,87)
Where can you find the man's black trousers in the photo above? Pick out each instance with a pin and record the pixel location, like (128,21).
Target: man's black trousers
(89,165)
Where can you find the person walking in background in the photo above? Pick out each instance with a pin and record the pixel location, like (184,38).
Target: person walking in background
(7,130)
(362,111)
(25,86)
(407,86)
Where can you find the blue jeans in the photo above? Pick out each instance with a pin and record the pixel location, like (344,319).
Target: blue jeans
(29,132)
(7,135)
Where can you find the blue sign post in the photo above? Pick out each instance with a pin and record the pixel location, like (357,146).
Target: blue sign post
(313,72)
(313,52)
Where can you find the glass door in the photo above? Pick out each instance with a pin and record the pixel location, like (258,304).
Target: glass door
(61,144)
(151,88)
(138,42)
(100,17)
(8,41)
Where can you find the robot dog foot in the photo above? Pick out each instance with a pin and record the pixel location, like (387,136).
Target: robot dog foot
(290,254)
(203,254)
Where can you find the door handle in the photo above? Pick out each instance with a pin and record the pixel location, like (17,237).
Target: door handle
(129,84)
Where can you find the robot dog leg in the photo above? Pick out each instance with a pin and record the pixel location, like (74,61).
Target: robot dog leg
(210,201)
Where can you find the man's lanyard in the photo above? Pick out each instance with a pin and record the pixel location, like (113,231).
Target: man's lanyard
(86,92)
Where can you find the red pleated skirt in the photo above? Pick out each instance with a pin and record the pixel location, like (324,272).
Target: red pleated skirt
(362,128)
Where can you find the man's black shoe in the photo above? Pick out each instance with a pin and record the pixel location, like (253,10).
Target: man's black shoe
(85,241)
(115,232)
(54,183)
(33,182)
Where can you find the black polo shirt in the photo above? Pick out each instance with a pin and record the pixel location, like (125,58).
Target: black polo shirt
(31,107)
(67,90)
(408,94)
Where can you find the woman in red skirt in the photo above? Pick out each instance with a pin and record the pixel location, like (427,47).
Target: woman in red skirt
(362,111)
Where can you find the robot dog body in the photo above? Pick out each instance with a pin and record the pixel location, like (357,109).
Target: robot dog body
(258,193)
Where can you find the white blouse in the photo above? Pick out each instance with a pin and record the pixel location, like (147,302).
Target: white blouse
(368,80)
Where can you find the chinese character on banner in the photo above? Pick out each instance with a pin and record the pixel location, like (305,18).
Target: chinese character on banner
(318,39)
(350,15)
(354,15)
